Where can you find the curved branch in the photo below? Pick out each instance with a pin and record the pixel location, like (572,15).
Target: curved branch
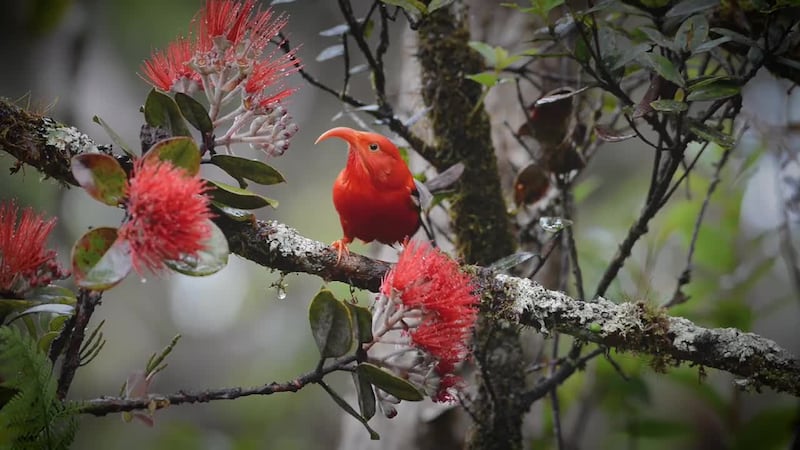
(627,326)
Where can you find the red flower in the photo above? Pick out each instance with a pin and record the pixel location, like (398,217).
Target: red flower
(24,261)
(223,18)
(165,69)
(242,84)
(437,307)
(266,75)
(167,214)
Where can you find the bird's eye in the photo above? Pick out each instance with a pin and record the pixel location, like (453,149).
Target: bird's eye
(374,147)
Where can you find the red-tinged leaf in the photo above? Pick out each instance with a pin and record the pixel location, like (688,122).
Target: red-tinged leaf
(101,176)
(644,107)
(608,135)
(181,151)
(531,184)
(99,260)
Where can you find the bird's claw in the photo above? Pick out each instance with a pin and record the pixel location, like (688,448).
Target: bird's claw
(341,246)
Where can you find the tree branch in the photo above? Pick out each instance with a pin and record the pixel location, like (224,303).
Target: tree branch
(107,405)
(626,326)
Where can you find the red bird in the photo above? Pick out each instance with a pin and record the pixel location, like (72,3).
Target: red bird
(375,194)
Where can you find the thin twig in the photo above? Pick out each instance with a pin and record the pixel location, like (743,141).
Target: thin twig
(87,301)
(107,405)
(686,275)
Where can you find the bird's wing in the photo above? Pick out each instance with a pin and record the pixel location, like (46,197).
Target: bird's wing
(421,196)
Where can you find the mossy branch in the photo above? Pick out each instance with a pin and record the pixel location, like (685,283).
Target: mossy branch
(636,327)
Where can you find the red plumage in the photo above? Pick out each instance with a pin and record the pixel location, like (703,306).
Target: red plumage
(375,194)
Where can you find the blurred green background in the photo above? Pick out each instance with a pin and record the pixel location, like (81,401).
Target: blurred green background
(77,59)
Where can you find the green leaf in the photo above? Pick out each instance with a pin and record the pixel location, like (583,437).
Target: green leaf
(389,382)
(669,106)
(692,33)
(12,305)
(331,324)
(115,138)
(160,110)
(713,91)
(34,417)
(101,176)
(665,68)
(52,293)
(100,260)
(656,37)
(704,80)
(50,308)
(735,36)
(250,169)
(212,258)
(710,45)
(349,410)
(631,54)
(688,7)
(486,50)
(366,396)
(57,323)
(581,52)
(438,4)
(238,197)
(363,323)
(706,133)
(239,215)
(411,6)
(543,7)
(487,79)
(194,112)
(181,151)
(47,339)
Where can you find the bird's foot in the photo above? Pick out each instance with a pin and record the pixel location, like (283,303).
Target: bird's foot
(341,246)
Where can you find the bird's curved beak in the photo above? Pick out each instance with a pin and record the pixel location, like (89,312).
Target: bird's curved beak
(349,135)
